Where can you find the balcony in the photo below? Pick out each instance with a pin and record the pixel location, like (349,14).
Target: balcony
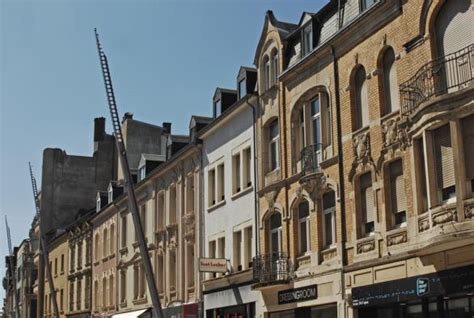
(444,75)
(271,269)
(311,157)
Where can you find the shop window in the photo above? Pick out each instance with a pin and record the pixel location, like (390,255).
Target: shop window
(303,228)
(329,219)
(361,101)
(444,160)
(274,145)
(366,205)
(391,101)
(396,193)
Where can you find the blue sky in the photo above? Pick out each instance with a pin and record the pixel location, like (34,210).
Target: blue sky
(166,57)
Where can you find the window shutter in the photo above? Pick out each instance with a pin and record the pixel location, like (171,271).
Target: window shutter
(397,187)
(468,140)
(444,157)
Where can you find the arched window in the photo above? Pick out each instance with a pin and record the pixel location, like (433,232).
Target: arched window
(112,239)
(266,72)
(275,71)
(96,247)
(104,292)
(454,28)
(96,295)
(111,290)
(391,100)
(275,235)
(329,219)
(104,243)
(274,145)
(360,98)
(304,241)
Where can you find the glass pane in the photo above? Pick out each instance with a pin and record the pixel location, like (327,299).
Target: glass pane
(317,130)
(329,200)
(458,308)
(273,156)
(303,209)
(275,242)
(315,107)
(275,221)
(303,237)
(415,311)
(328,312)
(273,130)
(328,228)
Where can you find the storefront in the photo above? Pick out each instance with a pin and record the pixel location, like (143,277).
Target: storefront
(238,311)
(445,294)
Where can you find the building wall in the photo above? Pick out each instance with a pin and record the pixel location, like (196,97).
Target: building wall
(58,251)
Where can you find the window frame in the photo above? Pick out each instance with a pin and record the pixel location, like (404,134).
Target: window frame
(273,163)
(306,221)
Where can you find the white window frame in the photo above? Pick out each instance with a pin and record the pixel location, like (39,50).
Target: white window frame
(331,213)
(276,142)
(304,220)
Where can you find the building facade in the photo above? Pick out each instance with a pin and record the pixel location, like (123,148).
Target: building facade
(229,201)
(26,275)
(58,263)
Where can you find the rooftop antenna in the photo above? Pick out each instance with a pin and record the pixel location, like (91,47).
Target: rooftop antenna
(44,247)
(129,187)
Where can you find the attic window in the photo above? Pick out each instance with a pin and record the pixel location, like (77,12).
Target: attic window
(142,173)
(217,108)
(98,204)
(110,194)
(242,88)
(307,40)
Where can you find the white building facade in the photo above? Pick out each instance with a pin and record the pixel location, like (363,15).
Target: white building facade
(229,202)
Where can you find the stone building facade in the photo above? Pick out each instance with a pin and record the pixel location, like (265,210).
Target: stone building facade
(26,275)
(58,262)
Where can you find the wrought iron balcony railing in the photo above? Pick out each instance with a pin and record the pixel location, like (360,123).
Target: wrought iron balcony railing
(311,157)
(444,75)
(271,268)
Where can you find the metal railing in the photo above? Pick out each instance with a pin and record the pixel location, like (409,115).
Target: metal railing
(311,157)
(443,75)
(274,267)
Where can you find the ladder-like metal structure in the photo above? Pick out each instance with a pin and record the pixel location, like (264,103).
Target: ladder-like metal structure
(44,247)
(12,268)
(129,186)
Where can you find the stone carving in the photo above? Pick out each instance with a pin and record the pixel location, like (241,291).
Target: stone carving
(270,196)
(329,254)
(444,217)
(423,225)
(314,184)
(397,238)
(469,211)
(188,218)
(365,247)
(362,146)
(395,134)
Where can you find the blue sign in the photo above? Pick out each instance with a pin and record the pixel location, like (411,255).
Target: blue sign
(422,286)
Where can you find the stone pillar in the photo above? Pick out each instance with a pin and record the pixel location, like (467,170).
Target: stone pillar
(459,166)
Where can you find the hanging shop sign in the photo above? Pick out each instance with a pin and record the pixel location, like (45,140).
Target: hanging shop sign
(445,282)
(297,294)
(213,265)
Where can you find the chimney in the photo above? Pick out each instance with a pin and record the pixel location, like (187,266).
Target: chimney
(167,128)
(99,129)
(126,116)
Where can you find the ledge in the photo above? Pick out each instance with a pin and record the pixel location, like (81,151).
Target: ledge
(239,194)
(216,206)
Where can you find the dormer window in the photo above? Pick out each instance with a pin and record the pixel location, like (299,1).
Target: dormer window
(142,173)
(242,88)
(275,66)
(217,108)
(110,194)
(307,40)
(98,204)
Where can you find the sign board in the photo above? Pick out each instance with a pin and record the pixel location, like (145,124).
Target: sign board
(213,265)
(297,294)
(441,283)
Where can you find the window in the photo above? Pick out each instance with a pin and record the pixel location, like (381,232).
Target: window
(79,255)
(221,248)
(142,281)
(136,281)
(190,265)
(112,239)
(274,137)
(172,205)
(397,193)
(62,263)
(142,173)
(123,286)
(96,295)
(316,124)
(55,268)
(160,211)
(217,108)
(307,40)
(98,204)
(329,219)
(143,216)
(236,187)
(105,240)
(220,182)
(247,166)
(467,126)
(420,173)
(87,292)
(444,160)
(190,193)
(247,247)
(275,66)
(61,299)
(71,296)
(160,272)
(237,257)
(78,295)
(367,208)
(71,257)
(96,247)
(172,277)
(111,290)
(389,82)
(361,99)
(367,4)
(266,71)
(212,254)
(123,232)
(275,233)
(242,88)
(211,191)
(104,292)
(303,228)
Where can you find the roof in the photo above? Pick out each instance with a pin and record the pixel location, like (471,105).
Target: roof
(199,120)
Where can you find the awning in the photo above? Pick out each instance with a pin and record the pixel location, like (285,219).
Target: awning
(130,314)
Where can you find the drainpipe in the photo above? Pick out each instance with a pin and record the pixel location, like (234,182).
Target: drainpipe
(255,175)
(341,170)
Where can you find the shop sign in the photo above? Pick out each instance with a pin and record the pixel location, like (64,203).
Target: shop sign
(213,265)
(297,294)
(442,283)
